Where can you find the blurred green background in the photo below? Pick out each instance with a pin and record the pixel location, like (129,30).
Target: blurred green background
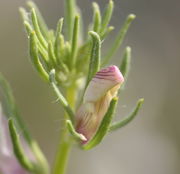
(151,143)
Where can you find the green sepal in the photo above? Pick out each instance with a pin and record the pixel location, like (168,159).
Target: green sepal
(127,119)
(125,65)
(60,96)
(42,24)
(107,17)
(76,135)
(18,149)
(104,126)
(119,39)
(95,58)
(35,57)
(96,18)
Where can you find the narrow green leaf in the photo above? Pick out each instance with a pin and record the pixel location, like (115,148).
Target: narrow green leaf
(37,29)
(24,14)
(103,128)
(42,25)
(106,33)
(96,18)
(51,34)
(59,46)
(74,46)
(11,107)
(42,163)
(119,39)
(51,54)
(70,6)
(28,27)
(12,112)
(35,58)
(129,118)
(53,57)
(81,24)
(61,98)
(59,27)
(67,53)
(41,49)
(18,149)
(125,64)
(107,17)
(73,132)
(94,64)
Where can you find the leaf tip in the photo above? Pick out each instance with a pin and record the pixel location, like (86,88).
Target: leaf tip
(131,17)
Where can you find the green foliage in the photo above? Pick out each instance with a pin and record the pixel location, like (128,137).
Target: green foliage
(14,116)
(76,135)
(95,58)
(18,149)
(103,128)
(129,118)
(65,60)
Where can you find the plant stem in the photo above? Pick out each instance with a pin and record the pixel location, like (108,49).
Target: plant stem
(62,155)
(65,144)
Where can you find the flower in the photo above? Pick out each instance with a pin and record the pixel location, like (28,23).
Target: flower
(101,90)
(8,161)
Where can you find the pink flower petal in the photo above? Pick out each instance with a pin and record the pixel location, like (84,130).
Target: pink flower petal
(100,91)
(103,81)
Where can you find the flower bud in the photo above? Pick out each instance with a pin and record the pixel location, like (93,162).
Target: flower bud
(98,95)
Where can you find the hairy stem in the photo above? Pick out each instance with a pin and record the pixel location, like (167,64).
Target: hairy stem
(65,144)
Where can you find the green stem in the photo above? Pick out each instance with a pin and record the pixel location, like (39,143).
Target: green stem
(65,144)
(62,155)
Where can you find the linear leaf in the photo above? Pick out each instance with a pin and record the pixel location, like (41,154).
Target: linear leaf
(37,29)
(61,98)
(18,149)
(42,24)
(107,17)
(129,118)
(119,39)
(125,64)
(73,132)
(96,18)
(74,46)
(94,64)
(35,58)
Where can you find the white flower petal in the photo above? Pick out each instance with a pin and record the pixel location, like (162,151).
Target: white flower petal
(102,88)
(103,81)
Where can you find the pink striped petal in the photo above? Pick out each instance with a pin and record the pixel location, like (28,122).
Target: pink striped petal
(100,91)
(102,82)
